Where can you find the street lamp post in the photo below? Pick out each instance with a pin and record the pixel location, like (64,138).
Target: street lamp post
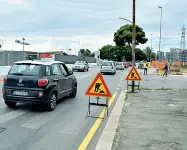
(133,39)
(23,43)
(151,40)
(160,37)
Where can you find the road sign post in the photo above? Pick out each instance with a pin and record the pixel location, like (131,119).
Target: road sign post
(133,76)
(98,89)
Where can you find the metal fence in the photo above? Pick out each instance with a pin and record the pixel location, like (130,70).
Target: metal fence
(8,58)
(72,59)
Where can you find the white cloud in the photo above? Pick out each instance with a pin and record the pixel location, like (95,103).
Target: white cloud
(92,42)
(3,28)
(72,19)
(17,2)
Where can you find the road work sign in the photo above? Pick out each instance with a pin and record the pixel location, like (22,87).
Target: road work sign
(98,87)
(133,75)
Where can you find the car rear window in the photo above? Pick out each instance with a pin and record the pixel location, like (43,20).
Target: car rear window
(25,69)
(107,64)
(80,63)
(119,63)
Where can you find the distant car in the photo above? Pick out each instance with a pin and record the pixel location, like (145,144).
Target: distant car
(80,66)
(126,65)
(130,64)
(108,67)
(120,66)
(38,82)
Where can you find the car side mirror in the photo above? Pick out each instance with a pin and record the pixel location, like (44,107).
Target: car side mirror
(70,72)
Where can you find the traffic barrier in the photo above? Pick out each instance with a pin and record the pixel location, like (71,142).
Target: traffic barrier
(98,89)
(149,64)
(133,76)
(155,64)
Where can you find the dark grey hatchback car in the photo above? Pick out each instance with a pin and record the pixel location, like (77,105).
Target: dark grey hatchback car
(38,82)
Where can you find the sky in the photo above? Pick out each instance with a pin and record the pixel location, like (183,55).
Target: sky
(90,24)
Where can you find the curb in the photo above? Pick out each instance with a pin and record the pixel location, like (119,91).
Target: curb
(108,134)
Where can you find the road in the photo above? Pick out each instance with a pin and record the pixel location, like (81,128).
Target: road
(31,128)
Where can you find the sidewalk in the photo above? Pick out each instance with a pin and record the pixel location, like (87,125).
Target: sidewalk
(155,118)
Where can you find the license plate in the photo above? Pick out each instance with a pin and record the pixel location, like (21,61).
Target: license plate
(20,93)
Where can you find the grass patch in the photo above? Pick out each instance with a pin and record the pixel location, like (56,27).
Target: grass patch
(147,89)
(164,89)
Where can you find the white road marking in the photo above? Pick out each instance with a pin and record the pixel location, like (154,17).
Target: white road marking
(43,118)
(38,121)
(11,115)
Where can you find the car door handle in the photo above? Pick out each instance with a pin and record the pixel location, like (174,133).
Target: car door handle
(55,80)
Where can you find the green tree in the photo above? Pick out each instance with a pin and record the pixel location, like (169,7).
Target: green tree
(64,53)
(116,53)
(153,55)
(140,55)
(124,35)
(87,53)
(148,51)
(92,55)
(106,52)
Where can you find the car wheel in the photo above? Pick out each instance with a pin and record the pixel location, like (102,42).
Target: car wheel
(52,102)
(74,91)
(10,104)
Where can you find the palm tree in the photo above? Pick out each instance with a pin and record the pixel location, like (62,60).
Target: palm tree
(148,51)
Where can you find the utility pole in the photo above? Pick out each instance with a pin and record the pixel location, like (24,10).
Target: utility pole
(182,46)
(133,33)
(133,38)
(160,37)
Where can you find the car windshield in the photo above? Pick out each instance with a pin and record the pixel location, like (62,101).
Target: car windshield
(80,63)
(25,69)
(107,64)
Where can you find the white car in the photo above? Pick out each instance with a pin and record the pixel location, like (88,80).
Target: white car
(120,66)
(80,66)
(108,67)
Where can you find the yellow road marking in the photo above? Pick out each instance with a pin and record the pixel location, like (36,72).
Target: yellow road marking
(117,88)
(95,126)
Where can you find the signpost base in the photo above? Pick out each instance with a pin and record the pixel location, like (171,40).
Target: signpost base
(133,85)
(96,104)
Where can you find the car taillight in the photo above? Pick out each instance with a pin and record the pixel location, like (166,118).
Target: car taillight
(5,79)
(3,91)
(42,82)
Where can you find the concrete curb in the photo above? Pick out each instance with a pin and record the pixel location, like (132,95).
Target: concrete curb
(108,134)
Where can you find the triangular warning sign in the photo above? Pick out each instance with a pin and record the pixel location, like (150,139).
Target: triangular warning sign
(133,75)
(98,87)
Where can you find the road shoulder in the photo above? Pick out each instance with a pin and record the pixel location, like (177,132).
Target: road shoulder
(107,136)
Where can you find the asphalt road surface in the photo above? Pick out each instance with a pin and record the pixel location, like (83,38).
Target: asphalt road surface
(31,128)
